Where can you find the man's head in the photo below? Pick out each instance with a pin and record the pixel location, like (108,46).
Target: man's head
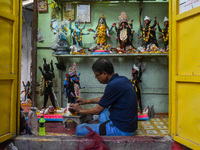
(103,70)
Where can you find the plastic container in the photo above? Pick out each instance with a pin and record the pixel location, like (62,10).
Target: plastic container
(42,126)
(33,121)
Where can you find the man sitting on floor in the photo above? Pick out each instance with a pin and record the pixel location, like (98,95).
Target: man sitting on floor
(117,108)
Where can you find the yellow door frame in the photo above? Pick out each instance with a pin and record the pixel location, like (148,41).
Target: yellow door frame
(11,16)
(184,76)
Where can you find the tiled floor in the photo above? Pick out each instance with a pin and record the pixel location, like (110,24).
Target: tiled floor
(157,126)
(153,127)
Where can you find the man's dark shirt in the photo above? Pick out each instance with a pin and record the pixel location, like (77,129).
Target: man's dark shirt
(120,97)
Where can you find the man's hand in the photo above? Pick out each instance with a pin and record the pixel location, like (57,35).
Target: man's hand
(81,101)
(75,107)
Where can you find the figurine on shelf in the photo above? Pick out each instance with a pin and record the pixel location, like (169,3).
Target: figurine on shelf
(46,85)
(27,92)
(124,35)
(148,35)
(72,85)
(77,36)
(165,33)
(101,32)
(60,46)
(136,74)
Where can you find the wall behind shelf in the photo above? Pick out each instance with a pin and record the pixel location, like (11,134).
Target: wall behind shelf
(111,12)
(154,86)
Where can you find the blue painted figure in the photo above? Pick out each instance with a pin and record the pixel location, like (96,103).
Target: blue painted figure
(77,34)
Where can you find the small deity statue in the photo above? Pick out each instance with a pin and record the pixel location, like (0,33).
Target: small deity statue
(72,84)
(165,33)
(77,35)
(124,34)
(136,74)
(46,86)
(60,46)
(27,92)
(148,34)
(101,32)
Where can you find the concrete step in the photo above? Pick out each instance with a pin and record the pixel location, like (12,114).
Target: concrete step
(27,142)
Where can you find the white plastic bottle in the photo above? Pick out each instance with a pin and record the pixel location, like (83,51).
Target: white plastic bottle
(33,121)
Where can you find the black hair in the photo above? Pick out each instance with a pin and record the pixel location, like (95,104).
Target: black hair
(103,64)
(104,23)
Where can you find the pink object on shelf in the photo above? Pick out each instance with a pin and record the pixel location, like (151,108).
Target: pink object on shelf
(99,51)
(142,116)
(51,116)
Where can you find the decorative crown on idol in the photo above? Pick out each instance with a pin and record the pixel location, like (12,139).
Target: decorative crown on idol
(72,70)
(123,17)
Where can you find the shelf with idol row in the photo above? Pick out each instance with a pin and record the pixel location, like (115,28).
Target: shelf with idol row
(115,1)
(113,55)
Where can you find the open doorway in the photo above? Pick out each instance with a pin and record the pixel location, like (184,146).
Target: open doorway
(148,92)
